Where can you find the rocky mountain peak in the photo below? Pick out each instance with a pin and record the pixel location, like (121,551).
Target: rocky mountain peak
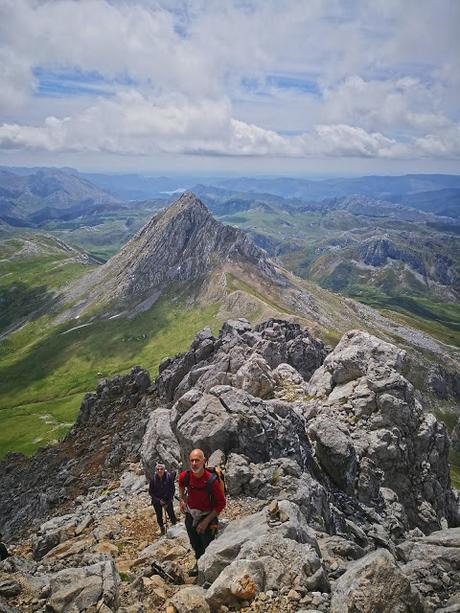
(188,201)
(180,244)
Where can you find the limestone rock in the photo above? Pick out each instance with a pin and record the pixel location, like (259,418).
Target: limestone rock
(77,589)
(255,377)
(432,564)
(286,562)
(211,362)
(366,409)
(10,588)
(159,443)
(238,582)
(335,452)
(246,530)
(190,599)
(375,583)
(232,421)
(455,436)
(287,374)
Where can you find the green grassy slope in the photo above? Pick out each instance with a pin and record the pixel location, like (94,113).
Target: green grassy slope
(44,372)
(32,269)
(103,234)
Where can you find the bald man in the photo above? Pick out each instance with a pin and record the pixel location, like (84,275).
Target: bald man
(201,499)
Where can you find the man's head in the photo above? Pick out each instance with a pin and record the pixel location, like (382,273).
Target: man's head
(197,461)
(160,470)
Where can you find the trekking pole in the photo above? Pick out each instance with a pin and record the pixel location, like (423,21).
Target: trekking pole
(165,514)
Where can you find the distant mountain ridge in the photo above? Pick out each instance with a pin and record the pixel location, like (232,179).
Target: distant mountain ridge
(376,186)
(445,202)
(25,199)
(185,251)
(132,186)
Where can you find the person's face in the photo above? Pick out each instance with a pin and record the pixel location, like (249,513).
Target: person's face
(196,461)
(160,472)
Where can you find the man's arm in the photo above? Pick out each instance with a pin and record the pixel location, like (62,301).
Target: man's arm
(219,505)
(204,523)
(182,501)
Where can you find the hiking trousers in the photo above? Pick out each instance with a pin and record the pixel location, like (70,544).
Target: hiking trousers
(159,512)
(199,542)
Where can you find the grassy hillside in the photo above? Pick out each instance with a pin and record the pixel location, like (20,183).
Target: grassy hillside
(44,372)
(103,234)
(32,269)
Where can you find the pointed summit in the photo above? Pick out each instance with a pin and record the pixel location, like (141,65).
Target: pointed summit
(188,200)
(181,243)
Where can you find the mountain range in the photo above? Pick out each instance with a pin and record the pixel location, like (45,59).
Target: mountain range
(181,269)
(336,471)
(27,200)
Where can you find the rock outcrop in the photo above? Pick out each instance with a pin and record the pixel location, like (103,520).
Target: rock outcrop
(105,438)
(375,583)
(366,409)
(339,496)
(244,358)
(376,252)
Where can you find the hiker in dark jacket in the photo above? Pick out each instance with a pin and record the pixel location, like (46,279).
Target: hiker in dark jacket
(161,490)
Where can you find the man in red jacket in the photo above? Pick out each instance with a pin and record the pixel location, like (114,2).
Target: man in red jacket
(201,499)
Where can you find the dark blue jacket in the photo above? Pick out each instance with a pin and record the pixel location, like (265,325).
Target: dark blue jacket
(162,489)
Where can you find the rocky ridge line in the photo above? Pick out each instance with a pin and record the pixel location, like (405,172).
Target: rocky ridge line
(339,490)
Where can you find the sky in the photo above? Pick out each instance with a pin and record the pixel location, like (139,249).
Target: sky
(306,87)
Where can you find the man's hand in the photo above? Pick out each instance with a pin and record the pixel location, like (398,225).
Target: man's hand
(202,526)
(162,502)
(182,505)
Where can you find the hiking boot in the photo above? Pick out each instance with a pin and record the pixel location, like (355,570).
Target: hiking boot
(162,530)
(193,572)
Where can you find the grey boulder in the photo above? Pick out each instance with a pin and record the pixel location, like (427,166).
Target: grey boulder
(159,443)
(77,589)
(374,584)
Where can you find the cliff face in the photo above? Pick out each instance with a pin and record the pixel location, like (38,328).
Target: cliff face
(334,473)
(376,251)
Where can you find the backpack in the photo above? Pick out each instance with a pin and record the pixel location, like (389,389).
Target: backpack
(216,474)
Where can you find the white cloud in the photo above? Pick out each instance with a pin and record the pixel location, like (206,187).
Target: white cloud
(213,77)
(135,125)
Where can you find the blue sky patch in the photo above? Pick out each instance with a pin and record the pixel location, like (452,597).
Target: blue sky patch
(65,83)
(293,82)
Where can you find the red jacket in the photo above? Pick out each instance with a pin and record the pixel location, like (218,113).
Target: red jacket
(197,492)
